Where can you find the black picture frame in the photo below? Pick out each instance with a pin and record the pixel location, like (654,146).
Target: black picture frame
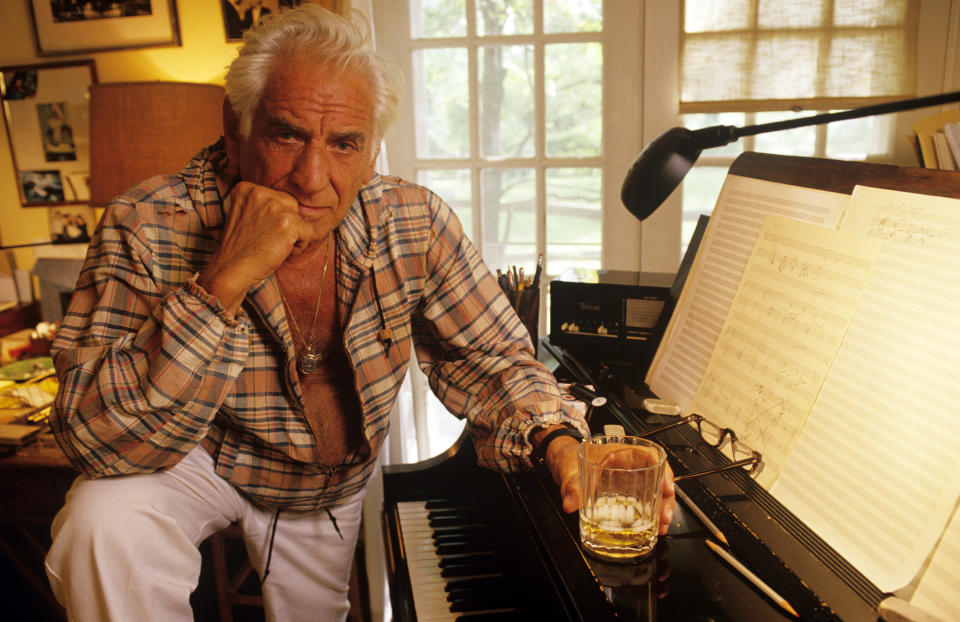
(46,109)
(240,15)
(71,26)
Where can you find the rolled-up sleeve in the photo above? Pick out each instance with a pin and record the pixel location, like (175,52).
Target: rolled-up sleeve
(144,356)
(477,355)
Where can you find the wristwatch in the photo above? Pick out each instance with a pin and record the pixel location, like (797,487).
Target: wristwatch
(540,451)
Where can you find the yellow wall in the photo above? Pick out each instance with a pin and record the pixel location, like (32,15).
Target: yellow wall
(202,57)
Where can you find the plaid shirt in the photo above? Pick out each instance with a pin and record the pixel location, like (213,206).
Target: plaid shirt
(150,365)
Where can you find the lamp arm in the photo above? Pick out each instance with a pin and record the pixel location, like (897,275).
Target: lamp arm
(720,135)
(854,113)
(661,165)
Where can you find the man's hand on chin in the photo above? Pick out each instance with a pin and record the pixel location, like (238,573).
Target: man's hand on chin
(263,229)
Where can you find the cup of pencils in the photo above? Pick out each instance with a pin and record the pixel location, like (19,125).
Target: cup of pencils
(523,292)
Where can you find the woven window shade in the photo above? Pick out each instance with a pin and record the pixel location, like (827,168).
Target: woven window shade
(142,129)
(751,55)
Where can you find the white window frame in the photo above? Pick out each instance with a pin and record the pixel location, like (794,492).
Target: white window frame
(620,231)
(646,34)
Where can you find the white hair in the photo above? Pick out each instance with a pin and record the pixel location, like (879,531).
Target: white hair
(310,30)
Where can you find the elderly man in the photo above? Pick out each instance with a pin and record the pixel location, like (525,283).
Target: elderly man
(240,331)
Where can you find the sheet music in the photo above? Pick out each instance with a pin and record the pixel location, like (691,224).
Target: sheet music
(876,471)
(798,293)
(939,591)
(693,329)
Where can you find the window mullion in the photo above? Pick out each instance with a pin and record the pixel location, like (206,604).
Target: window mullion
(820,140)
(472,30)
(539,121)
(473,87)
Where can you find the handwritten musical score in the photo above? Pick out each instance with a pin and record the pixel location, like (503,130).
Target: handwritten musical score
(796,297)
(883,435)
(846,378)
(694,327)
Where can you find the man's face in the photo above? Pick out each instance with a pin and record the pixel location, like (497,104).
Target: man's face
(312,137)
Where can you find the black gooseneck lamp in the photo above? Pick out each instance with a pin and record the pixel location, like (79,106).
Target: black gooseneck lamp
(662,164)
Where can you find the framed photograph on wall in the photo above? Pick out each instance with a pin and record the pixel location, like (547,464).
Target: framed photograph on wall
(239,15)
(71,225)
(47,114)
(76,26)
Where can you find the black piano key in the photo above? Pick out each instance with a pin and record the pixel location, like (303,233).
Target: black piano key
(460,547)
(441,503)
(453,520)
(524,615)
(502,585)
(484,603)
(467,511)
(469,515)
(461,531)
(445,523)
(472,566)
(487,558)
(461,535)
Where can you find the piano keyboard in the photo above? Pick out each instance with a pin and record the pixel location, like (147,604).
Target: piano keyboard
(463,565)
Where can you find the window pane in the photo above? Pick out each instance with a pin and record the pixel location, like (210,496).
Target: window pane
(437,18)
(506,101)
(509,217)
(717,15)
(704,58)
(572,15)
(699,121)
(781,14)
(869,13)
(574,218)
(453,186)
(799,141)
(504,17)
(441,103)
(573,89)
(701,187)
(860,64)
(855,139)
(785,66)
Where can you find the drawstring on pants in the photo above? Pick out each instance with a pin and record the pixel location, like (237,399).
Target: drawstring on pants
(334,521)
(273,533)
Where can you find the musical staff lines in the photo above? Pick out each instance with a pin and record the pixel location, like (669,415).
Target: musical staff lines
(798,293)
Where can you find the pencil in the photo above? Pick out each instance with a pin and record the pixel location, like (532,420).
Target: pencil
(536,274)
(701,515)
(743,570)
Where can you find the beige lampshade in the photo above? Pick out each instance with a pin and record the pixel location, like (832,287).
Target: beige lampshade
(142,129)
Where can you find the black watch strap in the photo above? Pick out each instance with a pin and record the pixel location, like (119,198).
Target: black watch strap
(540,451)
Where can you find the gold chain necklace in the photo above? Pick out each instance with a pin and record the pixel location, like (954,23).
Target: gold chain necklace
(310,359)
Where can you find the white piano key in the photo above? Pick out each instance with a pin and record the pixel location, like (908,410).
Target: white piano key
(429,598)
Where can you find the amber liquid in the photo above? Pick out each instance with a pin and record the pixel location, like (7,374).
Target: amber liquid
(615,527)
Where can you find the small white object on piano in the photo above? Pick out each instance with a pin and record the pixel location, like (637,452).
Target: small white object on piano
(661,407)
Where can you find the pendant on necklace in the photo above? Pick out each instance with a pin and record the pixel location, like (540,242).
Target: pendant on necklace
(309,361)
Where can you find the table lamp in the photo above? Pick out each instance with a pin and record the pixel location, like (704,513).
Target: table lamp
(662,164)
(141,129)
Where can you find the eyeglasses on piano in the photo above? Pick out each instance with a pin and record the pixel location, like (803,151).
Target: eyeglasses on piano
(740,453)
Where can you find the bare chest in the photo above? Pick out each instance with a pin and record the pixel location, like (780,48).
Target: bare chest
(332,406)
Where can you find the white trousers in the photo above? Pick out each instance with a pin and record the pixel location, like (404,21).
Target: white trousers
(125,548)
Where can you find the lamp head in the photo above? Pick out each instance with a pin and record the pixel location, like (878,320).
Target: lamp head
(660,167)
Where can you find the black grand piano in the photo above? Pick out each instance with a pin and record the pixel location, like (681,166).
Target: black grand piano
(469,544)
